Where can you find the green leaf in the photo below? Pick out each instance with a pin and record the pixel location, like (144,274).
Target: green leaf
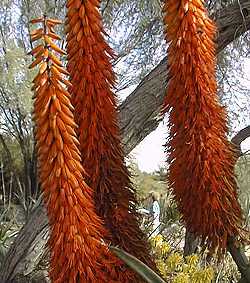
(147,273)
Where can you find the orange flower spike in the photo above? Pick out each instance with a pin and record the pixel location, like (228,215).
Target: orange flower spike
(200,156)
(92,78)
(78,253)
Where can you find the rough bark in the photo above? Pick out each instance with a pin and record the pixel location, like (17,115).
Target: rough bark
(139,113)
(138,117)
(191,244)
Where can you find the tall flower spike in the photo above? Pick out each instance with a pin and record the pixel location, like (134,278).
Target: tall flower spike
(92,78)
(200,157)
(77,251)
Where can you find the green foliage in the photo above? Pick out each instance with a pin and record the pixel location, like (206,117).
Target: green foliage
(171,265)
(177,269)
(174,268)
(243,178)
(146,273)
(8,229)
(146,182)
(243,174)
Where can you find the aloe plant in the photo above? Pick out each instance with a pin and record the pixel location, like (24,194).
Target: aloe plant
(142,269)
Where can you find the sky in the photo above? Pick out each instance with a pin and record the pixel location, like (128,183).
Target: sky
(149,154)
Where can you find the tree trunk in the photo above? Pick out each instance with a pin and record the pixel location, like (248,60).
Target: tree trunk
(240,259)
(138,117)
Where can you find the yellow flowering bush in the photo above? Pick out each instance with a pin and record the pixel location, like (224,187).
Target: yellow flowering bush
(177,269)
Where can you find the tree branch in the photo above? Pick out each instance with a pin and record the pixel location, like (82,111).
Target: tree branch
(239,138)
(138,112)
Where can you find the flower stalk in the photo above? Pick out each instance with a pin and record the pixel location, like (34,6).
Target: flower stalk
(92,79)
(200,156)
(78,252)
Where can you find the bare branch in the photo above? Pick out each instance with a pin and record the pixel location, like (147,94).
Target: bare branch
(239,138)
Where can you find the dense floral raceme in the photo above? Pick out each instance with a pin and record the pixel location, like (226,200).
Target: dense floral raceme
(77,251)
(200,157)
(92,79)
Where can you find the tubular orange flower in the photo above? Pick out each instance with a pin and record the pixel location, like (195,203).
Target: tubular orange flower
(92,78)
(77,251)
(200,157)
